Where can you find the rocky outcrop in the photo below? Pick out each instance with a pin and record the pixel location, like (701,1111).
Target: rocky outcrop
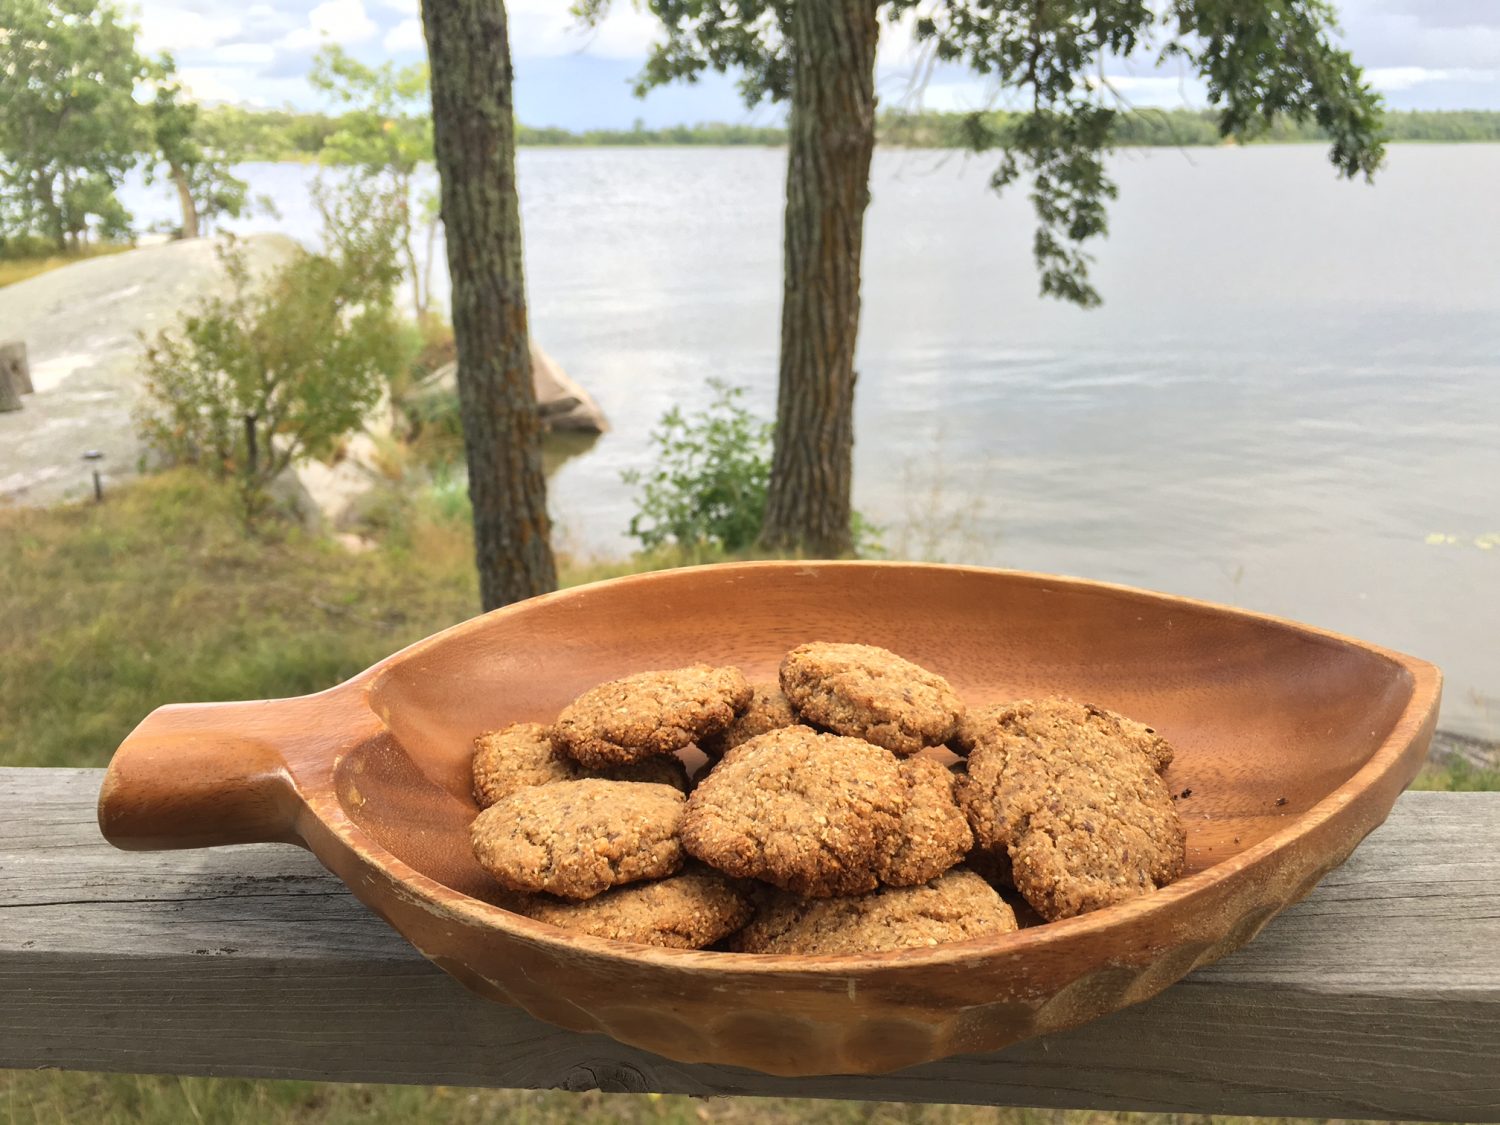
(82,327)
(563,404)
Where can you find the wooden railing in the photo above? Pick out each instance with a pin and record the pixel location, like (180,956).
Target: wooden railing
(1377,997)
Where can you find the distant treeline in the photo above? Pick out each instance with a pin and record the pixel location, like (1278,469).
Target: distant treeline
(1188,127)
(273,134)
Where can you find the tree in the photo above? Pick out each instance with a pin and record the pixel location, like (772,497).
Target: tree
(280,369)
(1263,60)
(69,127)
(474,130)
(197,168)
(385,132)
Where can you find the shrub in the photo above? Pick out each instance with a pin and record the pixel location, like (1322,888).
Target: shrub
(278,371)
(708,488)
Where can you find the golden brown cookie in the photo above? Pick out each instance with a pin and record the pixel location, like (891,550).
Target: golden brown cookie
(522,755)
(1131,733)
(1076,803)
(934,832)
(517,757)
(815,814)
(650,713)
(955,907)
(690,910)
(870,693)
(576,839)
(768,711)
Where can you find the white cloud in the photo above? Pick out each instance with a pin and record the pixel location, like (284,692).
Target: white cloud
(338,21)
(401,7)
(244,54)
(405,36)
(166,27)
(1406,77)
(216,84)
(546,29)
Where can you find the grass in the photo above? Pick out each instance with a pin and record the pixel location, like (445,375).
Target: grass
(1458,776)
(160,595)
(13,270)
(109,1099)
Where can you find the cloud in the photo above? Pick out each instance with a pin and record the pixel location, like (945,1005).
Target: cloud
(405,36)
(1406,77)
(547,29)
(401,7)
(167,27)
(339,21)
(216,84)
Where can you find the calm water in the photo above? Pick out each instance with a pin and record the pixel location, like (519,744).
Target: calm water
(1293,384)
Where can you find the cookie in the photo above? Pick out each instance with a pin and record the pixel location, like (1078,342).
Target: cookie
(576,839)
(1076,803)
(664,769)
(934,832)
(957,906)
(768,711)
(815,814)
(1131,733)
(690,910)
(517,757)
(866,692)
(523,755)
(650,713)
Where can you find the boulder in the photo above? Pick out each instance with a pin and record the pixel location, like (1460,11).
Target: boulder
(562,403)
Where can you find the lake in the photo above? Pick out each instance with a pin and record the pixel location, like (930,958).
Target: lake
(1290,400)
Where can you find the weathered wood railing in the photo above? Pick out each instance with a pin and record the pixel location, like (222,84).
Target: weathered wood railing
(1379,996)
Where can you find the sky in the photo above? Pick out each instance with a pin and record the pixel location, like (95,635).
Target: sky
(1421,54)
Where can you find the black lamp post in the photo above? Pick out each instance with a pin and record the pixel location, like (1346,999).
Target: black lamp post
(94,456)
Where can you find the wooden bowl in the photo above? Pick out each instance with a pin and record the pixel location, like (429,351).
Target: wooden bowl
(1294,742)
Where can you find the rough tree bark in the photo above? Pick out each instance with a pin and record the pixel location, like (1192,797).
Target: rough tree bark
(474,136)
(185,197)
(832,135)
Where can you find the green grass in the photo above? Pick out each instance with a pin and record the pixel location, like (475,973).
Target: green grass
(159,595)
(50,1098)
(1458,776)
(19,269)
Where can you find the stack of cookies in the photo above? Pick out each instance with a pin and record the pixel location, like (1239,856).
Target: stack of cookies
(831,815)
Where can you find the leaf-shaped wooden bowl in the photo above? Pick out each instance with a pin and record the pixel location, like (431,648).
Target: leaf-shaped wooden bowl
(1293,741)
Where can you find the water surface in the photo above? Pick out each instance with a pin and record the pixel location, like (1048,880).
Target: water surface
(1291,387)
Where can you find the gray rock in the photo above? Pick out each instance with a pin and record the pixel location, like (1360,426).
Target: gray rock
(562,403)
(82,325)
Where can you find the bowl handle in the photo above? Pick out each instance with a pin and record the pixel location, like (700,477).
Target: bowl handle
(199,775)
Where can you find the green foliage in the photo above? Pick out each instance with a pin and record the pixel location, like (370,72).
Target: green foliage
(280,370)
(69,127)
(387,125)
(708,487)
(1265,62)
(267,134)
(195,164)
(387,133)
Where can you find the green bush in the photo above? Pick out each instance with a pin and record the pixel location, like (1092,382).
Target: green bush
(708,489)
(281,370)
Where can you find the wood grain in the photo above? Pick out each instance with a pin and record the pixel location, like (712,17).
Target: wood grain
(1379,996)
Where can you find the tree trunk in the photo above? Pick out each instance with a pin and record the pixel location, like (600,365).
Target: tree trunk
(185,197)
(14,367)
(474,126)
(831,137)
